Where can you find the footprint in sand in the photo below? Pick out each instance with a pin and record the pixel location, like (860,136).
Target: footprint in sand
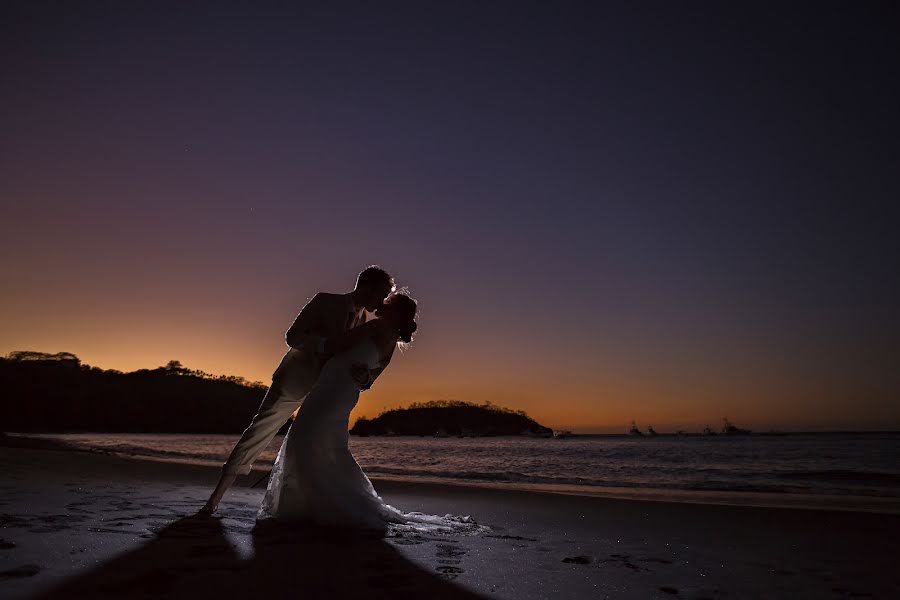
(449,572)
(19,572)
(578,560)
(108,530)
(401,538)
(76,507)
(653,559)
(40,523)
(449,556)
(407,541)
(512,537)
(623,560)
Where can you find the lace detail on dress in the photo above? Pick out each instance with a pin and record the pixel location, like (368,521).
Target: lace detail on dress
(399,522)
(269,506)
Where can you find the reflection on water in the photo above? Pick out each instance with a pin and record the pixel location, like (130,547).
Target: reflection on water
(831,465)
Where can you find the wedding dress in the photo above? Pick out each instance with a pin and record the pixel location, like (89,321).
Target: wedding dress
(315,478)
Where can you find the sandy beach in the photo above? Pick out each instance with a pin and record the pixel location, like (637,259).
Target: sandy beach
(81,524)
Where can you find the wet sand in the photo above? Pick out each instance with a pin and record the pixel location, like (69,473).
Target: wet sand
(80,524)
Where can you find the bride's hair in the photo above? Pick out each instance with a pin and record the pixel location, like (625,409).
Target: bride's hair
(404,309)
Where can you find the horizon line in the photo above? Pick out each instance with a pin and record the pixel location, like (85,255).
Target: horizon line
(593,429)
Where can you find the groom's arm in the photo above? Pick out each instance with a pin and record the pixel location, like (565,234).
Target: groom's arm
(351,337)
(301,334)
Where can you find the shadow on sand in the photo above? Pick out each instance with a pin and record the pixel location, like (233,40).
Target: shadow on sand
(192,558)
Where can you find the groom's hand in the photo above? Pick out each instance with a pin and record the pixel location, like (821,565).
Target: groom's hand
(360,374)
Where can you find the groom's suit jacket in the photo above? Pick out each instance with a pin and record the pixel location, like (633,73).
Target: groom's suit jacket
(325,315)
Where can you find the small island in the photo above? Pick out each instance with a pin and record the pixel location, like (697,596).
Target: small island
(445,418)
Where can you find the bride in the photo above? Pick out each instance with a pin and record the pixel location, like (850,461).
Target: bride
(315,479)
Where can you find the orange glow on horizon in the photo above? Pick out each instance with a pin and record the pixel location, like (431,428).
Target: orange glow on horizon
(605,405)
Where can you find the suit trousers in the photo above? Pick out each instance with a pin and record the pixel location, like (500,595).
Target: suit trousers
(289,388)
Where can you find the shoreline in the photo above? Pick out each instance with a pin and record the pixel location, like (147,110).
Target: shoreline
(85,524)
(844,503)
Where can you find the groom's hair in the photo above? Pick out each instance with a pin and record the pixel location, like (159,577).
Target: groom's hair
(372,276)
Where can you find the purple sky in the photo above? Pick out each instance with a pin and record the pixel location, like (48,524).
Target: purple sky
(671,213)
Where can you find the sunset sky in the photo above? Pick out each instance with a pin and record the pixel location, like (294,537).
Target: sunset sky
(650,212)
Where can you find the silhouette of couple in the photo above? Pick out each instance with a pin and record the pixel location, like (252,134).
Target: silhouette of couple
(336,351)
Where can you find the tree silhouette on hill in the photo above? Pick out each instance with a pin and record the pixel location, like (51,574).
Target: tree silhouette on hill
(57,392)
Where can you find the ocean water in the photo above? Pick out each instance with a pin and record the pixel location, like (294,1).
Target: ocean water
(858,471)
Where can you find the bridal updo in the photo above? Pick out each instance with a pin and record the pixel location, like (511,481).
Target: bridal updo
(401,309)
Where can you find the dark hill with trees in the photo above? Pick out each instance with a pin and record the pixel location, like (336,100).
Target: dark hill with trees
(56,392)
(450,417)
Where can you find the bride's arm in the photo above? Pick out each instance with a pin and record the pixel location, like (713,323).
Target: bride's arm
(385,361)
(350,338)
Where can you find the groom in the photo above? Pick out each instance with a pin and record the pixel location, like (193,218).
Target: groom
(324,317)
